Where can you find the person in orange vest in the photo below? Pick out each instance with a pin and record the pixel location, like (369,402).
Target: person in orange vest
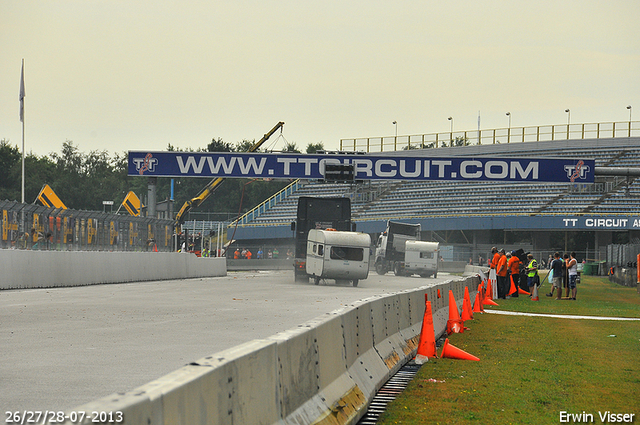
(249,254)
(236,254)
(501,271)
(513,264)
(495,257)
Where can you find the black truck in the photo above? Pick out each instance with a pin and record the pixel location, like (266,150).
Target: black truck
(317,213)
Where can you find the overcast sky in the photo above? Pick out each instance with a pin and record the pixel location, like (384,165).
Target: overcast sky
(138,74)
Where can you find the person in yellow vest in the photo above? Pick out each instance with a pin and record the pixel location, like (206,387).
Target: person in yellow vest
(532,272)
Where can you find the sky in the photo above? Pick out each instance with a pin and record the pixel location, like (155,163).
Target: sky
(139,74)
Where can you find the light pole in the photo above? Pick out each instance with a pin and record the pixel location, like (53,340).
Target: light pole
(509,129)
(451,131)
(395,139)
(568,111)
(629,108)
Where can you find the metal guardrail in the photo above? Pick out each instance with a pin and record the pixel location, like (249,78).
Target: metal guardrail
(29,226)
(494,136)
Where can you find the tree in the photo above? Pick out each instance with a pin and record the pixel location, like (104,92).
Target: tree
(10,158)
(291,147)
(218,145)
(315,147)
(245,145)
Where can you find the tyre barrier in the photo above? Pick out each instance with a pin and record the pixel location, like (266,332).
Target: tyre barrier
(324,371)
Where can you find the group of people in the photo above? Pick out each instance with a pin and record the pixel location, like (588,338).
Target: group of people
(246,254)
(565,275)
(507,266)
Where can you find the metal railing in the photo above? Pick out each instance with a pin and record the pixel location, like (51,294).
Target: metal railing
(267,204)
(493,136)
(29,226)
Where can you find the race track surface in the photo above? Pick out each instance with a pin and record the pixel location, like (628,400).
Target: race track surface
(63,347)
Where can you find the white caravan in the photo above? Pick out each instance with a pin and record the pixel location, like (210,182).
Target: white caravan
(343,256)
(419,258)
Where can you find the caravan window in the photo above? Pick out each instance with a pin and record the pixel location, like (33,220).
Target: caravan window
(321,250)
(346,253)
(428,254)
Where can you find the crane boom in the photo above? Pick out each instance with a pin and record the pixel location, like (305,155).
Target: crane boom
(215,183)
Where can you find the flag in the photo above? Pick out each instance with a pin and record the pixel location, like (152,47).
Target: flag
(22,93)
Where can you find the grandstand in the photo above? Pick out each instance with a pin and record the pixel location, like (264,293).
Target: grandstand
(442,206)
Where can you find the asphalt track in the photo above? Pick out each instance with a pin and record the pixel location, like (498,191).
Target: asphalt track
(63,347)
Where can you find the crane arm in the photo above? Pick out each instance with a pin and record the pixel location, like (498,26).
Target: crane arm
(215,183)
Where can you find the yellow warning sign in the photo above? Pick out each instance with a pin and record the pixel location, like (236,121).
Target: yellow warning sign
(48,198)
(132,204)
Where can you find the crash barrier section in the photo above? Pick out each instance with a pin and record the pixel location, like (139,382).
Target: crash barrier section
(325,371)
(48,269)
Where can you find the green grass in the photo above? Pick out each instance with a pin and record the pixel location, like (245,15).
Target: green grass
(532,368)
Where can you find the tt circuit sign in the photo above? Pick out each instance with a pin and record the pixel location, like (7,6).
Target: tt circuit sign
(601,223)
(365,167)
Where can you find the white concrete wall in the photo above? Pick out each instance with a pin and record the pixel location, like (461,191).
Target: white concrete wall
(325,371)
(47,269)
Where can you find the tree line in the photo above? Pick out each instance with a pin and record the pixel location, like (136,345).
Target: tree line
(83,180)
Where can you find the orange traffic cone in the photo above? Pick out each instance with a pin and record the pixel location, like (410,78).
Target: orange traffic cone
(488,300)
(451,352)
(455,323)
(534,296)
(522,291)
(467,310)
(477,305)
(427,344)
(513,286)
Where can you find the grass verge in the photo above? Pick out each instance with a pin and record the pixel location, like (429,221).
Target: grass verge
(533,368)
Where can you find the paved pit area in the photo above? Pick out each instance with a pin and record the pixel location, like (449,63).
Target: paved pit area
(63,347)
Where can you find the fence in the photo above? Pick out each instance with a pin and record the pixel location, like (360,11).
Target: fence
(623,255)
(494,136)
(29,226)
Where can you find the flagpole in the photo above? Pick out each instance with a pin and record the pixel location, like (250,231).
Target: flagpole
(22,94)
(22,119)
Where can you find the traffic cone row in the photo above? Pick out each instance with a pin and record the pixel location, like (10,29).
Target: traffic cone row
(455,324)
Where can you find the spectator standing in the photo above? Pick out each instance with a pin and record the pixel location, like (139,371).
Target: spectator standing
(532,272)
(501,272)
(565,274)
(557,270)
(259,254)
(248,254)
(275,253)
(495,256)
(572,268)
(514,269)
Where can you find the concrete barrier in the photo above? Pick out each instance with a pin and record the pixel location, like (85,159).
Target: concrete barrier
(325,371)
(47,269)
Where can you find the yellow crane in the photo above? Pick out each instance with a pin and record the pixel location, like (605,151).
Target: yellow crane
(215,183)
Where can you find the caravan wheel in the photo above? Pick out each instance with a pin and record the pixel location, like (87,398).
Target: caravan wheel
(355,282)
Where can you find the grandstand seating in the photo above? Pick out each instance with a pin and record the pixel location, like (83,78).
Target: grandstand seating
(420,199)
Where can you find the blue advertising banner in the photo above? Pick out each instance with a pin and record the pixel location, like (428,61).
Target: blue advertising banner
(312,166)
